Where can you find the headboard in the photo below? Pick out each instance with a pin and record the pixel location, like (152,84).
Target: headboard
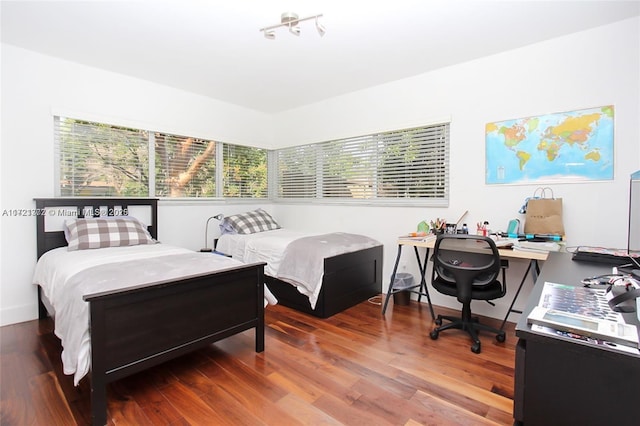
(78,207)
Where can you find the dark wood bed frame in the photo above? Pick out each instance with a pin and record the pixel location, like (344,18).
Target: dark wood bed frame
(349,279)
(139,327)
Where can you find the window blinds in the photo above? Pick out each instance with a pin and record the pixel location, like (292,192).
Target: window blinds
(245,172)
(298,175)
(97,159)
(185,166)
(408,164)
(100,159)
(398,167)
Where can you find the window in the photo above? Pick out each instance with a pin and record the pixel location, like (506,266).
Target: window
(101,160)
(297,171)
(245,172)
(98,159)
(406,166)
(185,167)
(410,165)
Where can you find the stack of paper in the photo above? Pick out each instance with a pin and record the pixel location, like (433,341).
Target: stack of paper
(506,242)
(421,238)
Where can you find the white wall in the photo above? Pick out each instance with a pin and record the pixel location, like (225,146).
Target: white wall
(36,86)
(593,68)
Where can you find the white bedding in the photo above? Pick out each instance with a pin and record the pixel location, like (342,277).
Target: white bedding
(305,270)
(61,274)
(265,246)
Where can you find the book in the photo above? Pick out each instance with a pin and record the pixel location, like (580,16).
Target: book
(595,328)
(428,237)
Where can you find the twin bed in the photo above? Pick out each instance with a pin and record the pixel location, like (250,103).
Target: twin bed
(150,322)
(320,275)
(144,303)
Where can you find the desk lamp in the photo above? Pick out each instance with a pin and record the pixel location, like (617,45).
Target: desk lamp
(206,248)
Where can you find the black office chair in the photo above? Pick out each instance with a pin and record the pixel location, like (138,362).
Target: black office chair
(467,267)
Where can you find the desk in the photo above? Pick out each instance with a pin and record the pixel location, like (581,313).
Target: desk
(569,382)
(532,268)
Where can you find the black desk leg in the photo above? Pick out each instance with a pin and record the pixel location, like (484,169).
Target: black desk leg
(424,291)
(393,278)
(535,271)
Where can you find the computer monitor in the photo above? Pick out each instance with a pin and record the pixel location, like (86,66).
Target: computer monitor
(633,242)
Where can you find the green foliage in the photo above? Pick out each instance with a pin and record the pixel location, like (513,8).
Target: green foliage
(105,160)
(185,167)
(102,160)
(245,172)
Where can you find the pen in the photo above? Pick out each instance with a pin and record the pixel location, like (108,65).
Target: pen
(550,237)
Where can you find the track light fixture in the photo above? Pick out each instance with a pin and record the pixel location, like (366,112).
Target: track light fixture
(321,29)
(291,20)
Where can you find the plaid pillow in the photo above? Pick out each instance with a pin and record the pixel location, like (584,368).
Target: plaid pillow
(250,222)
(82,234)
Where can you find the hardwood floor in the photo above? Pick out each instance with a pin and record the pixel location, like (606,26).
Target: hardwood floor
(354,368)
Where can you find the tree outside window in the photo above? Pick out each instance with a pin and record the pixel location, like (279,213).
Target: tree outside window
(99,159)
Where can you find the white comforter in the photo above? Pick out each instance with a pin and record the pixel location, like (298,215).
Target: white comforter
(58,272)
(265,246)
(302,267)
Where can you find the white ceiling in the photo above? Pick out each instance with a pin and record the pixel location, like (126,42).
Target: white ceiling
(214,48)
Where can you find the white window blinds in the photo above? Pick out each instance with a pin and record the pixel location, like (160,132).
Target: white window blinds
(399,167)
(100,159)
(298,171)
(185,166)
(96,159)
(245,172)
(402,165)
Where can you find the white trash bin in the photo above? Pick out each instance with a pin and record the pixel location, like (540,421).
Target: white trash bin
(402,281)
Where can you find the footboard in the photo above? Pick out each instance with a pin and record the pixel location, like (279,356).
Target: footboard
(137,328)
(349,279)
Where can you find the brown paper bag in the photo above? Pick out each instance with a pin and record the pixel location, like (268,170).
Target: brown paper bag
(544,215)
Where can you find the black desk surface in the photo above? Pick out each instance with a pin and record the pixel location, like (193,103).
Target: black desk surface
(559,268)
(561,381)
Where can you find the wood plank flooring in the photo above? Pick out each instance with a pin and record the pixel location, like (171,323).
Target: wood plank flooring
(355,368)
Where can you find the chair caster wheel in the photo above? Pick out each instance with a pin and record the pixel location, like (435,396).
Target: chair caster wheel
(438,321)
(475,348)
(501,337)
(434,334)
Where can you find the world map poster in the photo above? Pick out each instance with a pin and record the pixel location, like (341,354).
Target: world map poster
(560,147)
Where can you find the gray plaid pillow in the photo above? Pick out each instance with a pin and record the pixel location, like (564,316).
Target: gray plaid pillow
(251,222)
(95,233)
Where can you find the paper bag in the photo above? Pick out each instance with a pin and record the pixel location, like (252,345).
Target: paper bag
(544,215)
